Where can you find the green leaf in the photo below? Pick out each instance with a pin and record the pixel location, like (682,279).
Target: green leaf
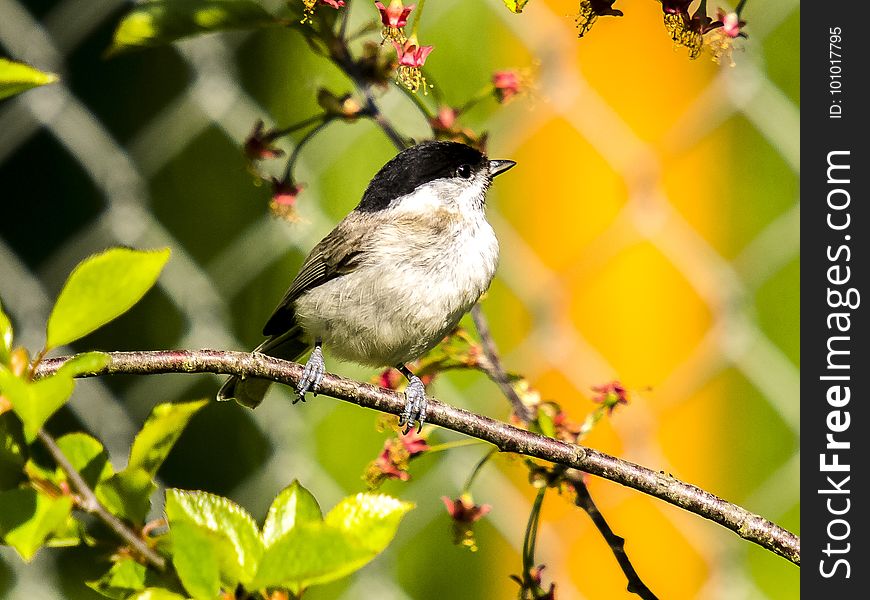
(27,518)
(101,288)
(160,22)
(350,536)
(5,336)
(86,363)
(232,532)
(130,579)
(13,453)
(69,533)
(293,506)
(196,556)
(373,518)
(35,402)
(17,77)
(126,577)
(127,494)
(546,424)
(159,434)
(157,594)
(14,388)
(87,456)
(516,6)
(310,554)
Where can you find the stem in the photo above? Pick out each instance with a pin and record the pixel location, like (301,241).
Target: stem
(506,438)
(635,584)
(34,364)
(476,470)
(301,125)
(590,421)
(372,108)
(417,15)
(484,93)
(530,539)
(616,543)
(343,61)
(288,172)
(89,503)
(495,370)
(452,445)
(418,102)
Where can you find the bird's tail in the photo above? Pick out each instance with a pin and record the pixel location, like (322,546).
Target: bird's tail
(250,391)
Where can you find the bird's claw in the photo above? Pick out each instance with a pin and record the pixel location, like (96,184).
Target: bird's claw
(312,375)
(415,405)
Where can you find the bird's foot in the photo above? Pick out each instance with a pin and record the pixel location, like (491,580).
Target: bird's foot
(312,375)
(415,405)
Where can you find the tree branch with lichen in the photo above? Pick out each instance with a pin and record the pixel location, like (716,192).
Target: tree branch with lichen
(505,437)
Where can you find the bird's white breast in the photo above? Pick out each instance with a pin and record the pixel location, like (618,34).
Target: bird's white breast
(425,269)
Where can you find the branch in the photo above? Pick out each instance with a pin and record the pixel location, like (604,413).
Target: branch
(88,501)
(583,498)
(506,437)
(341,57)
(494,368)
(616,543)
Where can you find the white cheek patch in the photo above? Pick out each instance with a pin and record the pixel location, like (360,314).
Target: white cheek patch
(424,199)
(441,194)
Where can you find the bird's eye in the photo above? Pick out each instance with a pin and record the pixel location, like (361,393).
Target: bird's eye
(464,171)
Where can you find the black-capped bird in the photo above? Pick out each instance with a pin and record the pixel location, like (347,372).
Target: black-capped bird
(395,275)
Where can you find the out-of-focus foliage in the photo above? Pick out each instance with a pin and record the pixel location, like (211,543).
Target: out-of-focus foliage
(17,77)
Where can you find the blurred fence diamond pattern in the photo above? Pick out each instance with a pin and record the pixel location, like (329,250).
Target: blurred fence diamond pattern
(649,234)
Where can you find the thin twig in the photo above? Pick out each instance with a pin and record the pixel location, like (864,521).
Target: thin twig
(378,117)
(297,126)
(291,162)
(476,470)
(530,540)
(494,367)
(341,57)
(506,437)
(89,503)
(584,499)
(617,544)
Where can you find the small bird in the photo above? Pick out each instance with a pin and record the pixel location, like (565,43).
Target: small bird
(395,275)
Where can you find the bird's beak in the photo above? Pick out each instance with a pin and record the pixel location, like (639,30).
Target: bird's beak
(500,166)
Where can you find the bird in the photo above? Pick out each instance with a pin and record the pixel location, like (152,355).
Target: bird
(394,277)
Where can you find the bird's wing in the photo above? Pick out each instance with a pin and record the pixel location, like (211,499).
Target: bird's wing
(337,254)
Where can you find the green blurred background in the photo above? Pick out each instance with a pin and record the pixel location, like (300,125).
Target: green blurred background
(649,234)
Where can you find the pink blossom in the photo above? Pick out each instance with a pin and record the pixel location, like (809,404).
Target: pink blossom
(464,510)
(610,395)
(414,443)
(507,85)
(395,15)
(731,23)
(284,193)
(259,143)
(412,55)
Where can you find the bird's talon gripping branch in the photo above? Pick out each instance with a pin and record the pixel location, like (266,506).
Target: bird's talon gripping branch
(312,375)
(421,413)
(415,403)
